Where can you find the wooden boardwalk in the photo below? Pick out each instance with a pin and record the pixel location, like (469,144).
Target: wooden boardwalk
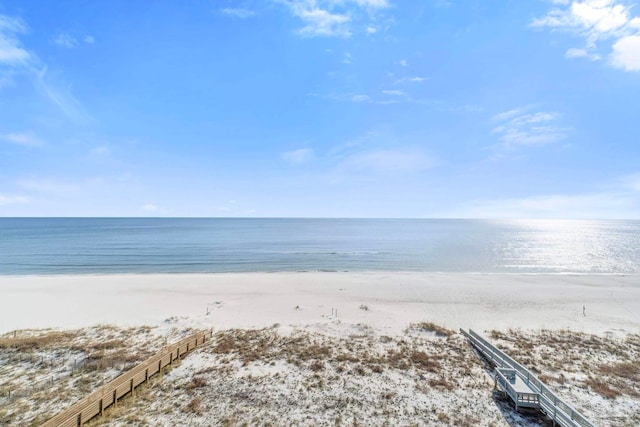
(524,388)
(109,394)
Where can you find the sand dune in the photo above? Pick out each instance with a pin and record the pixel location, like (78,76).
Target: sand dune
(327,348)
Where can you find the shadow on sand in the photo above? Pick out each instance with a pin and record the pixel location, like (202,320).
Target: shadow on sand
(521,418)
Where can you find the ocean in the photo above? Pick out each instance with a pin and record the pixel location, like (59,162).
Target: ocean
(31,246)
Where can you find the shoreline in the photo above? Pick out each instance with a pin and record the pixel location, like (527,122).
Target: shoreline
(388,301)
(215,273)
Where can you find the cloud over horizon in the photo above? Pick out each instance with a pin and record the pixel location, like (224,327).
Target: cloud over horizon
(11,200)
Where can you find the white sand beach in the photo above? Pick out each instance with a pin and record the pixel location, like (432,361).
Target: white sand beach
(320,348)
(393,300)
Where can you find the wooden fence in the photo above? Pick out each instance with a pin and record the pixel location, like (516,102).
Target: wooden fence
(109,394)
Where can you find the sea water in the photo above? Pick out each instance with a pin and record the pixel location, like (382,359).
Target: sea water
(211,245)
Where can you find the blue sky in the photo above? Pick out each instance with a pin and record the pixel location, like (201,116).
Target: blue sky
(320,108)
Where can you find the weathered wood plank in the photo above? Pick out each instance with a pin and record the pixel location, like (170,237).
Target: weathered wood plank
(108,394)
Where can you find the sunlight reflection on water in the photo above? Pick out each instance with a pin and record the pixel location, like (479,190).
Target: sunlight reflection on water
(187,245)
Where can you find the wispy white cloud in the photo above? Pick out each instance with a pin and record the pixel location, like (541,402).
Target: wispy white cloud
(68,41)
(344,97)
(371,4)
(509,114)
(361,98)
(609,204)
(385,97)
(237,12)
(150,207)
(522,127)
(6,199)
(394,92)
(17,59)
(319,22)
(27,139)
(387,161)
(616,198)
(299,156)
(62,98)
(65,40)
(598,22)
(334,18)
(582,53)
(415,79)
(403,63)
(11,51)
(596,19)
(375,154)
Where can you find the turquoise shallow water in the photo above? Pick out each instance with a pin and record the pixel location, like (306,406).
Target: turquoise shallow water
(188,245)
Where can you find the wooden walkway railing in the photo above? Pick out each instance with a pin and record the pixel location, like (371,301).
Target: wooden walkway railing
(110,393)
(548,402)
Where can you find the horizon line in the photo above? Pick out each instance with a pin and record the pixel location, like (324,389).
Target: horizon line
(321,217)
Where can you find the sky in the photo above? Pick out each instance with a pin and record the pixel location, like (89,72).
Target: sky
(320,108)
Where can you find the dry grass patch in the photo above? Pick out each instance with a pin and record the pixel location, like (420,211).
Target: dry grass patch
(318,352)
(197,382)
(442,383)
(628,370)
(433,328)
(36,340)
(261,377)
(195,406)
(602,388)
(423,361)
